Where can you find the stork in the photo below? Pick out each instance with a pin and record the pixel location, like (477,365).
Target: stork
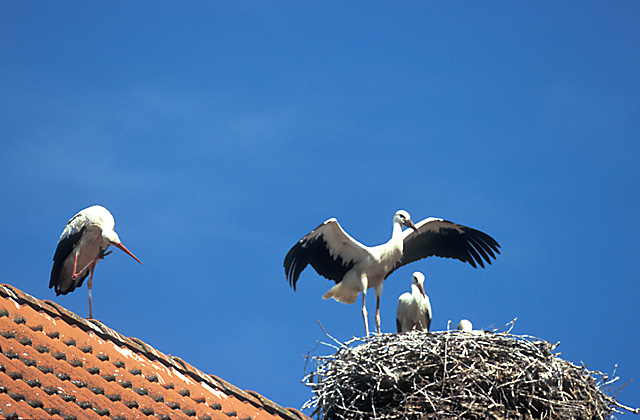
(82,244)
(414,309)
(465,325)
(355,267)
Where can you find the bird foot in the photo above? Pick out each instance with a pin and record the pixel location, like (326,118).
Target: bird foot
(103,254)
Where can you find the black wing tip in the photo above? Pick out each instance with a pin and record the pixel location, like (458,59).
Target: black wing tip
(290,265)
(291,279)
(55,287)
(483,247)
(292,282)
(54,279)
(54,284)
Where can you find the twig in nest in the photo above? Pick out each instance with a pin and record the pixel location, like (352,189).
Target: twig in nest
(512,323)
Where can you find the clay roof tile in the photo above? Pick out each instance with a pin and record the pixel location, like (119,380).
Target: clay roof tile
(55,364)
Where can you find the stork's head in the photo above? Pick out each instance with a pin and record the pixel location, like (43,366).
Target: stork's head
(465,325)
(112,238)
(418,280)
(402,217)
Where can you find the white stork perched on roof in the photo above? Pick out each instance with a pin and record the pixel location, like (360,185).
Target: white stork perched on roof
(82,244)
(355,267)
(414,308)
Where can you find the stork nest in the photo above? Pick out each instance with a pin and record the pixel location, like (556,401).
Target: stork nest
(451,374)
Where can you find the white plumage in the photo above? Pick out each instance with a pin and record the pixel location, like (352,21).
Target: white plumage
(355,267)
(465,325)
(82,244)
(414,308)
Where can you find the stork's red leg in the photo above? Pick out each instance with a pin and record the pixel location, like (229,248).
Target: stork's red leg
(91,264)
(89,284)
(364,312)
(75,266)
(378,312)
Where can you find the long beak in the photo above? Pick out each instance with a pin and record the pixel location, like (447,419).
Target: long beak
(410,224)
(421,287)
(124,248)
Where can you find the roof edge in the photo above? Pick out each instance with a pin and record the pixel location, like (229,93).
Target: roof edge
(139,346)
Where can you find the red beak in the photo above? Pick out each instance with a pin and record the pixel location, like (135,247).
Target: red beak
(410,224)
(421,287)
(124,248)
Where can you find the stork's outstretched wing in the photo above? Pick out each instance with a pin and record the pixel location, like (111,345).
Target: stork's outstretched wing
(441,238)
(329,250)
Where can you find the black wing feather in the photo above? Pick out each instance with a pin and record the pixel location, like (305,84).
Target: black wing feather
(65,246)
(445,239)
(314,250)
(479,247)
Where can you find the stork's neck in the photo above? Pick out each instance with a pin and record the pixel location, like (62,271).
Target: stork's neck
(393,248)
(397,231)
(391,251)
(415,291)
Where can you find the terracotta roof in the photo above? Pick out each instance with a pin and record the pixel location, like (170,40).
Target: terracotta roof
(55,364)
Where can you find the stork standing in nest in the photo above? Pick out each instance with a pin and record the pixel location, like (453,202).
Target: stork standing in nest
(355,267)
(414,308)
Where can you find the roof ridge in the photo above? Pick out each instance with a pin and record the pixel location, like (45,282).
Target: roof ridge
(139,346)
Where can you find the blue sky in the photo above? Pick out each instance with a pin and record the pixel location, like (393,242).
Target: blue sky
(220,133)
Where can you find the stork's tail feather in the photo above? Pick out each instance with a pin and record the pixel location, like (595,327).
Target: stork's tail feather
(342,294)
